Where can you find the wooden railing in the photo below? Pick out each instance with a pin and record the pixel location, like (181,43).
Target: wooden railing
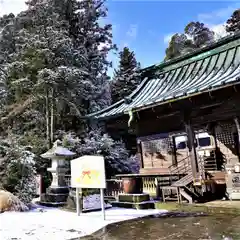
(180,169)
(113,188)
(150,183)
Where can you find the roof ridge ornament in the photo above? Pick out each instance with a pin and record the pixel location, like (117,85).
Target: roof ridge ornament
(128,99)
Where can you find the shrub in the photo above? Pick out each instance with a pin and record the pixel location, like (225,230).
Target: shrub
(17,170)
(116,156)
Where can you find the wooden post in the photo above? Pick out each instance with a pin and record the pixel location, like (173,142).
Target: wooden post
(238,127)
(102,203)
(77,202)
(238,139)
(139,152)
(174,160)
(163,195)
(192,149)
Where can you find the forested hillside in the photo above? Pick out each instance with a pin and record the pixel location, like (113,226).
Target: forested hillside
(53,72)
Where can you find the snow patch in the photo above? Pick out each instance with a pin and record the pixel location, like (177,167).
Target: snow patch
(62,225)
(93,202)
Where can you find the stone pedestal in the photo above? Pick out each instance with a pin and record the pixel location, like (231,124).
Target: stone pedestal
(136,201)
(55,197)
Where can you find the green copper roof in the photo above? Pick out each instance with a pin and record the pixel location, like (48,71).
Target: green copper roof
(209,68)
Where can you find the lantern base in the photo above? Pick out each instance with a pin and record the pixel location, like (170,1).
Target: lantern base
(54,197)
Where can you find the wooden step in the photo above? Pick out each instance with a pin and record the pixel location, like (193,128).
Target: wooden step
(185,195)
(184,181)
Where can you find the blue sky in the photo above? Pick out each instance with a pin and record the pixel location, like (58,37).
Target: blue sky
(145,26)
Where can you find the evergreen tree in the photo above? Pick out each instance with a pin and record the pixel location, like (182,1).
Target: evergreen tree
(127,77)
(60,61)
(54,70)
(94,41)
(195,36)
(178,45)
(17,169)
(199,33)
(233,23)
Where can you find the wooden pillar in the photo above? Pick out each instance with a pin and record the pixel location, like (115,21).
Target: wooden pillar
(212,131)
(139,144)
(238,127)
(174,148)
(238,140)
(192,149)
(139,152)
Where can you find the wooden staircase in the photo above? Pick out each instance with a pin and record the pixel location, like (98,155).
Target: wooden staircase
(183,188)
(187,187)
(184,181)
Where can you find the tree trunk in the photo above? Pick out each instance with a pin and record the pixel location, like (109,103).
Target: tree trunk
(52,119)
(47,122)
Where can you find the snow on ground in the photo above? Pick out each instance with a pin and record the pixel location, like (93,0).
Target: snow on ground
(51,224)
(89,202)
(93,201)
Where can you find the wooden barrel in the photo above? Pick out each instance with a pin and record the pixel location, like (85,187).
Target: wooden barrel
(132,185)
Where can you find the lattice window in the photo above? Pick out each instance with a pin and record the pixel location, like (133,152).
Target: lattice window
(226,138)
(224,133)
(159,145)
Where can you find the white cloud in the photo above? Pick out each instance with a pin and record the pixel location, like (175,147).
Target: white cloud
(219,15)
(214,20)
(219,30)
(167,38)
(132,31)
(11,6)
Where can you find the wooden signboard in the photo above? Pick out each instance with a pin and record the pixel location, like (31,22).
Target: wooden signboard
(88,172)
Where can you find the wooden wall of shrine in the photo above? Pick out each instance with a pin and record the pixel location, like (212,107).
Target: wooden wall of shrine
(152,127)
(228,140)
(156,151)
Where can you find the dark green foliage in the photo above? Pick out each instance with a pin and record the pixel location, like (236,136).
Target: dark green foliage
(195,36)
(17,169)
(54,62)
(127,77)
(54,56)
(199,33)
(178,45)
(233,23)
(97,143)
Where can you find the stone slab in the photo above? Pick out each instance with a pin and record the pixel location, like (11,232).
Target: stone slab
(52,204)
(52,197)
(142,205)
(58,190)
(134,198)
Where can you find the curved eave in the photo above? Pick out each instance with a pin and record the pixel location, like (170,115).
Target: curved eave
(234,83)
(119,103)
(209,70)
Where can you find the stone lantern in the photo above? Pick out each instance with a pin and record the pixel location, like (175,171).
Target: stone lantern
(57,193)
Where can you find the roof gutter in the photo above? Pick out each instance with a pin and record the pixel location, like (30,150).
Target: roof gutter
(154,104)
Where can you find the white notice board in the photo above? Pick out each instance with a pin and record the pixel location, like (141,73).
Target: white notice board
(88,172)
